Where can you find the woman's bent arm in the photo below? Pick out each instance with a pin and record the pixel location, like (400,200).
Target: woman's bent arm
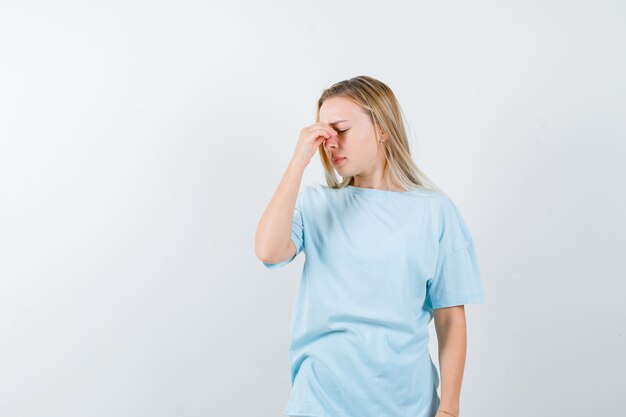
(273,234)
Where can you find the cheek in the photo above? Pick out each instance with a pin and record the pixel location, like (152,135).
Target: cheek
(355,142)
(364,146)
(358,146)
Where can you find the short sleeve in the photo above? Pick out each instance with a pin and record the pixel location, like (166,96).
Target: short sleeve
(297,232)
(457,279)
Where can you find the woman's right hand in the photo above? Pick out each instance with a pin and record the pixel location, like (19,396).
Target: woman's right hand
(310,139)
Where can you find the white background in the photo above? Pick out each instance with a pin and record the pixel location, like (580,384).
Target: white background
(141,141)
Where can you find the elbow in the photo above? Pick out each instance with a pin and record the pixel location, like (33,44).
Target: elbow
(264,253)
(260,254)
(260,247)
(263,257)
(275,255)
(268,257)
(271,250)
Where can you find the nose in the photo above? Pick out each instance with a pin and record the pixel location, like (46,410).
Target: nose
(331,142)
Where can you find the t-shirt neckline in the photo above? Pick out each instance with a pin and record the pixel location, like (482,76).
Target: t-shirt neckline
(374,191)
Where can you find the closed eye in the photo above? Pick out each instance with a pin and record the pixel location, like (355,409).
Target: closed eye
(341,131)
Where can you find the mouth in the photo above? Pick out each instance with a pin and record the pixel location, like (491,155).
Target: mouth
(338,160)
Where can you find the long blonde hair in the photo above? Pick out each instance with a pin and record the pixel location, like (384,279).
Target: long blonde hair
(377,99)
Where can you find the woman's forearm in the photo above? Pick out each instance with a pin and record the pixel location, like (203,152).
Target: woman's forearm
(452,338)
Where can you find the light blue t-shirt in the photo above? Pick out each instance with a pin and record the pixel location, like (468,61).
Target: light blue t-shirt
(376,264)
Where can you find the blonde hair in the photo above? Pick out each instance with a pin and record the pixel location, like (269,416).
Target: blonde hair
(377,100)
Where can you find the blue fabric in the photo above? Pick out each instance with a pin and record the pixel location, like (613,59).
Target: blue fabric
(376,265)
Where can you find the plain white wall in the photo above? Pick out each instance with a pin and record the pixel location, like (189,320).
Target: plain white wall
(141,141)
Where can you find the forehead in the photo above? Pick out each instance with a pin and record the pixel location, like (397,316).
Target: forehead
(337,109)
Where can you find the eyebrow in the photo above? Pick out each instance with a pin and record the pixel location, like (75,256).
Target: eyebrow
(337,122)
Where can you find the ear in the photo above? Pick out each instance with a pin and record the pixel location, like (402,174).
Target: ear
(381,133)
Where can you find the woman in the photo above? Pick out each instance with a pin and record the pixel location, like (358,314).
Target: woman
(385,252)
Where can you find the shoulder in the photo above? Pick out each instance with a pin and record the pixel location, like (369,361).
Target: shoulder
(310,195)
(437,202)
(314,190)
(445,204)
(316,187)
(451,224)
(317,198)
(434,197)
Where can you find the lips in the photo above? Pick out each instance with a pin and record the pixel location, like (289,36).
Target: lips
(338,159)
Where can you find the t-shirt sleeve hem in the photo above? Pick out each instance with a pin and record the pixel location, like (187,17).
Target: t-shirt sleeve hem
(456,301)
(286,261)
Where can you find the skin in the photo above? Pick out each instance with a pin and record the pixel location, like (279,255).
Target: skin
(365,160)
(451,331)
